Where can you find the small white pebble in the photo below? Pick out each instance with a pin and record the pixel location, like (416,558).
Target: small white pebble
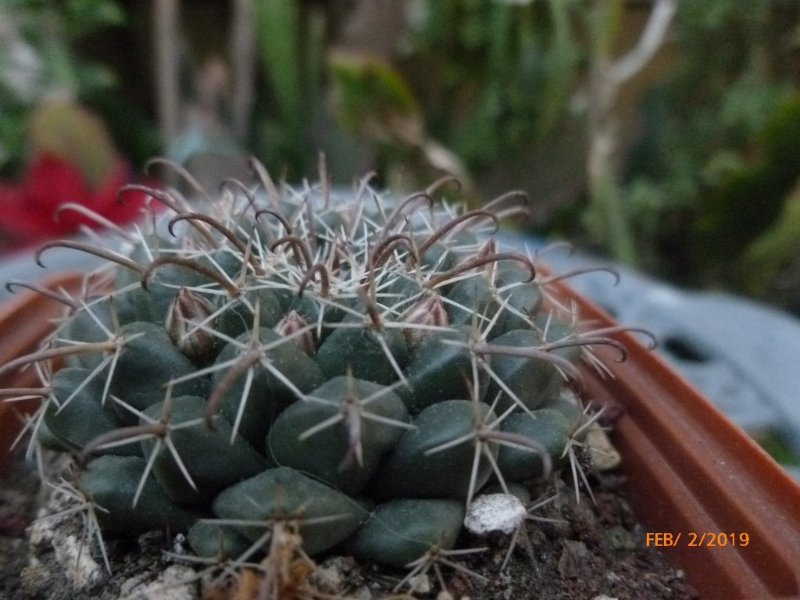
(419,584)
(494,512)
(613,577)
(176,582)
(76,559)
(329,579)
(604,456)
(179,544)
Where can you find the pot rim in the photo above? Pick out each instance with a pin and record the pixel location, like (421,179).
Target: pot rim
(691,471)
(24,322)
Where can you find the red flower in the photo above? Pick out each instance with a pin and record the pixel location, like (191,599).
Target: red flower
(29,212)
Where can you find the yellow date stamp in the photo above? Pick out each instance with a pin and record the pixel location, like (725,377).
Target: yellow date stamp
(697,539)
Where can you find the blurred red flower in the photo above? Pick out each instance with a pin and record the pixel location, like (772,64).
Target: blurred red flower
(29,212)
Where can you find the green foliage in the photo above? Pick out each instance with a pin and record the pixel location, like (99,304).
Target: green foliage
(37,60)
(749,199)
(770,265)
(291,43)
(369,91)
(494,78)
(711,172)
(300,356)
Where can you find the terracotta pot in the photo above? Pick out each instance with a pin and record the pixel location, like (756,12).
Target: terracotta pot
(691,472)
(24,322)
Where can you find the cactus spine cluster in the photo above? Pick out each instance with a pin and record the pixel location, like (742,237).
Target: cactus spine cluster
(355,366)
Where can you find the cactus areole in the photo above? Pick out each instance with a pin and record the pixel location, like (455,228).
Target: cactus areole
(350,365)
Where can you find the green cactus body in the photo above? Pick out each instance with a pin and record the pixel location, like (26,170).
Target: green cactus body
(78,413)
(330,453)
(526,379)
(282,370)
(326,516)
(304,356)
(441,371)
(417,469)
(401,531)
(212,540)
(147,363)
(111,483)
(548,427)
(361,350)
(211,460)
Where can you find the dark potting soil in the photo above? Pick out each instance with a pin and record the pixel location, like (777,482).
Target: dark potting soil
(587,550)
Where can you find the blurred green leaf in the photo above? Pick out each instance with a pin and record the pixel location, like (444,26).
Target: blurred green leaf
(292,46)
(278,36)
(773,250)
(370,93)
(85,16)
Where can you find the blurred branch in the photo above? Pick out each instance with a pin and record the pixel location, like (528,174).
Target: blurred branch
(243,57)
(609,219)
(165,17)
(651,41)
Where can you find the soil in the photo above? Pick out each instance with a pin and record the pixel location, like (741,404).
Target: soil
(586,549)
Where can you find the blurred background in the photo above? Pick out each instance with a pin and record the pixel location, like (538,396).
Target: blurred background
(658,134)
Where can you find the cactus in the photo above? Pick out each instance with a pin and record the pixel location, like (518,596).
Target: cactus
(356,366)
